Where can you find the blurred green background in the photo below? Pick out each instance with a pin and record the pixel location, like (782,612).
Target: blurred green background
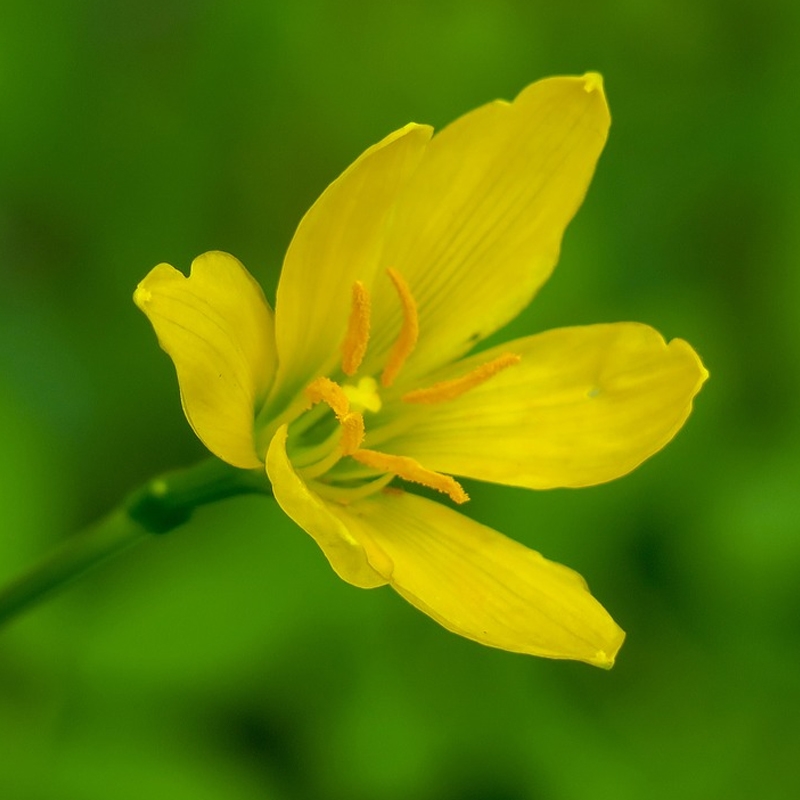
(226,660)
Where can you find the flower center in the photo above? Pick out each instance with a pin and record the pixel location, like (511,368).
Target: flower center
(364,395)
(326,447)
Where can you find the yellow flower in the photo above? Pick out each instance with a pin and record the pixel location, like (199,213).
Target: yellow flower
(419,250)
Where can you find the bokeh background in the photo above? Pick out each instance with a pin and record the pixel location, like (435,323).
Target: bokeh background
(226,660)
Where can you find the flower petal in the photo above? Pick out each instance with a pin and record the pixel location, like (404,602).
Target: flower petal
(583,406)
(345,552)
(477,229)
(480,584)
(338,242)
(218,330)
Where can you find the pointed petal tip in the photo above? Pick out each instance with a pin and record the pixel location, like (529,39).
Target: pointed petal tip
(593,82)
(605,659)
(420,128)
(594,89)
(702,373)
(142,296)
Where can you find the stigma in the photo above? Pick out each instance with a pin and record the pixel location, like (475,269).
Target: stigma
(364,395)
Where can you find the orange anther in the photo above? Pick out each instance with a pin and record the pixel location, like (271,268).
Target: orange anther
(450,390)
(352,433)
(410,470)
(407,339)
(355,341)
(324,390)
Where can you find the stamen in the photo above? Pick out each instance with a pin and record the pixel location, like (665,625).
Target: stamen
(410,470)
(349,494)
(324,390)
(450,390)
(407,339)
(320,467)
(352,433)
(355,341)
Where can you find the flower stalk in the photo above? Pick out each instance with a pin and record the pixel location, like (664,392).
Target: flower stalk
(161,505)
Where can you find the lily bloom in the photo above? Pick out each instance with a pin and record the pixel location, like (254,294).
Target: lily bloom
(364,381)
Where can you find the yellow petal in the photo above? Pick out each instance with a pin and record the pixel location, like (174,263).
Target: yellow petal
(218,330)
(345,552)
(337,243)
(584,405)
(480,584)
(477,229)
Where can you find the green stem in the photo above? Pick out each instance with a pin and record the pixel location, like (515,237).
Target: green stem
(75,556)
(161,505)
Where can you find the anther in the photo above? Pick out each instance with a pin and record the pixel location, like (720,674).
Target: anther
(410,470)
(407,339)
(352,433)
(450,390)
(324,390)
(355,341)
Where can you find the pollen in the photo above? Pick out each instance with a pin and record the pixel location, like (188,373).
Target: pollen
(410,470)
(352,433)
(324,390)
(409,332)
(356,339)
(450,390)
